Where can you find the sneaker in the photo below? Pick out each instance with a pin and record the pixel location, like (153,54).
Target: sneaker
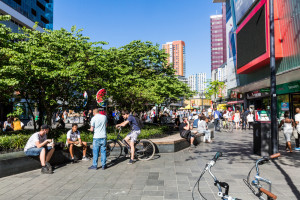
(49,166)
(85,159)
(45,170)
(103,167)
(130,162)
(93,167)
(193,146)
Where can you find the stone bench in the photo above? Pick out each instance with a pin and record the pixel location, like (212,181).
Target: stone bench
(174,143)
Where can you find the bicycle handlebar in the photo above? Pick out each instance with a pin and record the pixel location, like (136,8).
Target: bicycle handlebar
(217,156)
(268,193)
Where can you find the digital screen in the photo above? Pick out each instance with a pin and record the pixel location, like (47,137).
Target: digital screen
(251,39)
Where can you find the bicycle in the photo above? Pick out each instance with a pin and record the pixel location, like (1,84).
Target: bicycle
(226,126)
(217,183)
(258,178)
(144,149)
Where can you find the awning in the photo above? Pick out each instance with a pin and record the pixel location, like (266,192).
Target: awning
(235,102)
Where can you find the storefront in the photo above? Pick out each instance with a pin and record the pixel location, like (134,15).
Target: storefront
(288,98)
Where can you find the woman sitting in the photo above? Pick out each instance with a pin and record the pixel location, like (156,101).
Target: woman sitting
(203,128)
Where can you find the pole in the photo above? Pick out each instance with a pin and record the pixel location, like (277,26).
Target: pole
(274,126)
(202,101)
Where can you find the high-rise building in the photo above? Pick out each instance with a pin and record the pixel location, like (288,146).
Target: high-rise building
(176,50)
(27,12)
(197,82)
(218,39)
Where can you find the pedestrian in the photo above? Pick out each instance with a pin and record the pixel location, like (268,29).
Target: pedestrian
(131,138)
(65,114)
(297,122)
(39,145)
(244,119)
(250,119)
(98,126)
(217,116)
(7,126)
(237,119)
(288,125)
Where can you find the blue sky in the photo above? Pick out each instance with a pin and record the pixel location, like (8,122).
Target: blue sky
(121,21)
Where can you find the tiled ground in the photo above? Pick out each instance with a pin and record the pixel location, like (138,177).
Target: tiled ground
(168,176)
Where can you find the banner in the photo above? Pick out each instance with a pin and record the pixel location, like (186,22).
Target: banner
(100,97)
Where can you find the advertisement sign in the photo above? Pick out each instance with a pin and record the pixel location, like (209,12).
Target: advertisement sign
(241,7)
(288,87)
(285,106)
(100,97)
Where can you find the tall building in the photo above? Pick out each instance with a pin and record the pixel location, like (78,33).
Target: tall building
(27,12)
(176,50)
(218,39)
(197,82)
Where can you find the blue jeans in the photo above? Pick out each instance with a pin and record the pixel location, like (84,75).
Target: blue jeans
(216,122)
(34,151)
(99,143)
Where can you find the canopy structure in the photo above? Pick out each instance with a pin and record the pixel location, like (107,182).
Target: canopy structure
(188,107)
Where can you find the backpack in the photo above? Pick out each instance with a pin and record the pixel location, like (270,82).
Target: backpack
(139,122)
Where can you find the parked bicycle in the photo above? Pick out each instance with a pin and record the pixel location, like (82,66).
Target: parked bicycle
(220,185)
(258,178)
(217,183)
(144,149)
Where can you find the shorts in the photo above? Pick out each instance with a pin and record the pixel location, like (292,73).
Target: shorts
(133,135)
(76,145)
(36,151)
(189,136)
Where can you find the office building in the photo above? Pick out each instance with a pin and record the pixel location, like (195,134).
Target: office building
(218,39)
(27,12)
(197,82)
(176,51)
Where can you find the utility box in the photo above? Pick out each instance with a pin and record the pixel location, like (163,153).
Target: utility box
(262,138)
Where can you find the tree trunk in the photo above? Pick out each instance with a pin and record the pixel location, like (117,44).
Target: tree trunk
(31,112)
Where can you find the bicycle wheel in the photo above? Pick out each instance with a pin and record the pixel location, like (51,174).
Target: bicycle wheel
(144,150)
(113,150)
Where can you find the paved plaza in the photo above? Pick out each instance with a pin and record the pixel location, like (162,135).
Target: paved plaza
(168,176)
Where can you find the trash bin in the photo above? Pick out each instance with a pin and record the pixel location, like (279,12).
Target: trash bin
(262,138)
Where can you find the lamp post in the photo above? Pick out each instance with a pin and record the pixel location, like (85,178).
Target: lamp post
(274,126)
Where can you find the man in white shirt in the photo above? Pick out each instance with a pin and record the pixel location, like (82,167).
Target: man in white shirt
(39,145)
(74,140)
(297,122)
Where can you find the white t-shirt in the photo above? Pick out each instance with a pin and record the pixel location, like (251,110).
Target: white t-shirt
(33,139)
(297,118)
(73,136)
(250,117)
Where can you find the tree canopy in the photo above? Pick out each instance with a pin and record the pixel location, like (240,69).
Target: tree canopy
(54,68)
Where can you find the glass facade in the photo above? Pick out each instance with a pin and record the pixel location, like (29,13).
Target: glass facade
(40,11)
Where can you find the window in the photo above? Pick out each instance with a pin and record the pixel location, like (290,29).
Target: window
(33,11)
(44,20)
(41,6)
(18,1)
(47,1)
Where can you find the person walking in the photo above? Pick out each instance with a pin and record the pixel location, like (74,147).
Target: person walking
(99,125)
(297,123)
(217,117)
(250,119)
(288,125)
(237,119)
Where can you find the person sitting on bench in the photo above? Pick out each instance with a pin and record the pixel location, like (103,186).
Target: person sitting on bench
(185,132)
(39,145)
(74,140)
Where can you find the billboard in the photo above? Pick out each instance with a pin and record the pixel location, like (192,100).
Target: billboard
(241,7)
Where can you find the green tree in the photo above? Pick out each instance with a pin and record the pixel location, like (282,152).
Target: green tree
(213,89)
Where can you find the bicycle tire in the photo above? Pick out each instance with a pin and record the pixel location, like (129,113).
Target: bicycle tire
(144,150)
(113,150)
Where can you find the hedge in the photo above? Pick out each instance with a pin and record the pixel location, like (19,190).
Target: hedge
(18,139)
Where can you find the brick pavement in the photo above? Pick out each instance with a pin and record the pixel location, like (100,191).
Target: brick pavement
(168,176)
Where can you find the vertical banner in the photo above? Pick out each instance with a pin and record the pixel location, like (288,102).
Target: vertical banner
(100,97)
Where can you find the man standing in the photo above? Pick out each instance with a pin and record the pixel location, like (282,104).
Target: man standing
(39,145)
(297,122)
(132,136)
(98,125)
(217,116)
(74,140)
(185,131)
